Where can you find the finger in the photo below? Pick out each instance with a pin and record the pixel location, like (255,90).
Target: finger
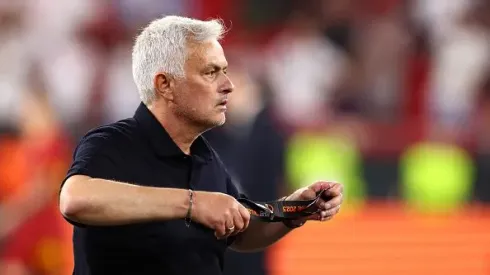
(331,204)
(341,187)
(245,216)
(324,204)
(335,190)
(320,185)
(230,228)
(315,217)
(331,212)
(221,236)
(321,203)
(308,194)
(238,221)
(220,230)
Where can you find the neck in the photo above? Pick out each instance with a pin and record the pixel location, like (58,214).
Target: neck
(181,132)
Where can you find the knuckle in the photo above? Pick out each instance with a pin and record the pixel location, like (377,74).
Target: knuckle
(227,214)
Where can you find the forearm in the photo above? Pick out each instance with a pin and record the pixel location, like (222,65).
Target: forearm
(259,235)
(103,202)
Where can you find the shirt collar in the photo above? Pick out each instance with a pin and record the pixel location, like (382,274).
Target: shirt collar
(161,141)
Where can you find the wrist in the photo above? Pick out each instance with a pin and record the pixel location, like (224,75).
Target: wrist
(176,201)
(190,202)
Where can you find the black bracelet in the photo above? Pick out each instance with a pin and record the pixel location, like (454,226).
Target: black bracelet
(188,217)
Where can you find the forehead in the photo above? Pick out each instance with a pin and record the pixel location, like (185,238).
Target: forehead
(204,53)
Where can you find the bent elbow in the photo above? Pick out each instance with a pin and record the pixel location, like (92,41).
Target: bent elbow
(69,206)
(71,203)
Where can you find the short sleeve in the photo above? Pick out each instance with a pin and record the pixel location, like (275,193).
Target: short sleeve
(95,156)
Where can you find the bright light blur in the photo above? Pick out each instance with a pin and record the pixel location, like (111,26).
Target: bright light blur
(389,97)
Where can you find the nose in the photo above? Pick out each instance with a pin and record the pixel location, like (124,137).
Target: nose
(228,86)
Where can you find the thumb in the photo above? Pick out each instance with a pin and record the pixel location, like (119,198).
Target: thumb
(308,194)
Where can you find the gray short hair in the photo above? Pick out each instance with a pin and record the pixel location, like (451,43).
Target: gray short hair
(161,46)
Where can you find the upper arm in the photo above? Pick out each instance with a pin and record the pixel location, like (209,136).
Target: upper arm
(73,181)
(95,157)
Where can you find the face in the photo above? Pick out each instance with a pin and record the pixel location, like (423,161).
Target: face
(200,98)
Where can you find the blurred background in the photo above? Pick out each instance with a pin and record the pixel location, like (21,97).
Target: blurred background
(389,97)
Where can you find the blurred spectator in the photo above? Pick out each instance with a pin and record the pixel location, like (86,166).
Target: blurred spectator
(14,60)
(461,55)
(34,236)
(303,68)
(382,45)
(53,34)
(134,14)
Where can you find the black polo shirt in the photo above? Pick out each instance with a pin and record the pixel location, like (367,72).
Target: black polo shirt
(138,150)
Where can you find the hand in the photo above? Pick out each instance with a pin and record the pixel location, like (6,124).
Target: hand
(220,212)
(328,208)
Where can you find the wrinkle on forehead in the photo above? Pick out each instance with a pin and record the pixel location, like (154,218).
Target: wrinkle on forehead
(202,53)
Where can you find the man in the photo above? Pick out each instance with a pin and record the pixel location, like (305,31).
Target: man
(147,194)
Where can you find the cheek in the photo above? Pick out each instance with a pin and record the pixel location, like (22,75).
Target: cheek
(196,98)
(202,94)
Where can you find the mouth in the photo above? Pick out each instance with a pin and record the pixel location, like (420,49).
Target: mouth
(223,103)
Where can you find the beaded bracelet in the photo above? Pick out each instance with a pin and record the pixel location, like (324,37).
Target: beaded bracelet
(188,217)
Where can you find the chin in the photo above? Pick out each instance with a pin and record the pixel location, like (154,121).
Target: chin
(221,121)
(215,122)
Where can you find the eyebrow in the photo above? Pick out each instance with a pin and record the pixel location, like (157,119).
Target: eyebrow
(216,66)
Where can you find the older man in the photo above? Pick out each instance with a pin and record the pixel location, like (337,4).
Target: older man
(148,195)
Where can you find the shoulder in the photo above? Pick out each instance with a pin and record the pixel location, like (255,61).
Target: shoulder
(109,135)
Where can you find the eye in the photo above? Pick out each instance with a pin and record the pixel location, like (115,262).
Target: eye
(211,73)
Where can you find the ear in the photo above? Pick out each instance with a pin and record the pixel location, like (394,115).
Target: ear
(162,83)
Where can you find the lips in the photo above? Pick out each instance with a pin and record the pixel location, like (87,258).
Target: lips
(223,102)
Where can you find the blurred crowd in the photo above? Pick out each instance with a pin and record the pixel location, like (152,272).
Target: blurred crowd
(389,97)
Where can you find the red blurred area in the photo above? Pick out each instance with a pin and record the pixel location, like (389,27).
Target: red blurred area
(383,74)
